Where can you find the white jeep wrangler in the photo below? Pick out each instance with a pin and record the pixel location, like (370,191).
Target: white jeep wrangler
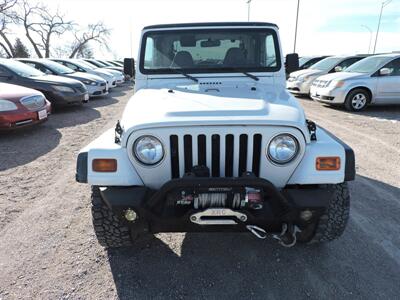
(212,141)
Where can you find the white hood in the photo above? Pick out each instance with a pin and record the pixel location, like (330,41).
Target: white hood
(152,108)
(341,76)
(306,72)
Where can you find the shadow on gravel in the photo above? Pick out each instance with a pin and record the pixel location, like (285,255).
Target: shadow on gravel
(361,264)
(389,112)
(22,146)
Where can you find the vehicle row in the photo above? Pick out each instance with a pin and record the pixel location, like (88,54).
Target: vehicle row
(29,88)
(352,81)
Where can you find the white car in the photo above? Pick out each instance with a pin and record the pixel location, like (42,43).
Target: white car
(212,141)
(299,82)
(119,75)
(79,66)
(372,81)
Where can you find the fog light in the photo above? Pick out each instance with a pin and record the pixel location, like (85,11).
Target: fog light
(130,215)
(306,215)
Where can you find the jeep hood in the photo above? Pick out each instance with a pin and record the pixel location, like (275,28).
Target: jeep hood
(151,108)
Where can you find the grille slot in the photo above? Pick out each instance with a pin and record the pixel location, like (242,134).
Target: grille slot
(225,155)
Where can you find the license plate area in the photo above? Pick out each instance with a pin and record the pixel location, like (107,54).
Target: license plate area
(42,114)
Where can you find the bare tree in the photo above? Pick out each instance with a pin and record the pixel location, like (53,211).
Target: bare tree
(40,25)
(94,33)
(7,16)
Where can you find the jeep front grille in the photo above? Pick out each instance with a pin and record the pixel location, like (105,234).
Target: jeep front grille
(225,155)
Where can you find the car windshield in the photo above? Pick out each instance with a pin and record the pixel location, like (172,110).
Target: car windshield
(211,50)
(83,65)
(58,68)
(20,68)
(327,63)
(303,60)
(367,65)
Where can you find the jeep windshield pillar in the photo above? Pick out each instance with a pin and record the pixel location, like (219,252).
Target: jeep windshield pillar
(212,141)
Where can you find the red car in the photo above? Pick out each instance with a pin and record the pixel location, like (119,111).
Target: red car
(20,106)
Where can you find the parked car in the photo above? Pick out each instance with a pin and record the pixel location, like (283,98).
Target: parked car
(299,82)
(104,64)
(58,90)
(21,107)
(83,67)
(95,85)
(117,72)
(115,63)
(306,62)
(212,141)
(372,81)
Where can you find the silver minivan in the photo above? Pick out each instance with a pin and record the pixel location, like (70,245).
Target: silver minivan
(372,81)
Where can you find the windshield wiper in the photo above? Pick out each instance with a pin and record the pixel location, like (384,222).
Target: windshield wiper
(254,77)
(251,76)
(179,71)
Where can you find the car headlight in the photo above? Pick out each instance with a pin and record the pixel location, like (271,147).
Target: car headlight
(337,84)
(283,148)
(62,88)
(148,150)
(6,105)
(89,82)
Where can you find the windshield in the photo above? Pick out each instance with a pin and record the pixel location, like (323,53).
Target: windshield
(215,50)
(367,65)
(303,60)
(56,67)
(20,68)
(327,63)
(83,65)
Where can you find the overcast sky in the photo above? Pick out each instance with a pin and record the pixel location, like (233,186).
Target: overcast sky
(325,26)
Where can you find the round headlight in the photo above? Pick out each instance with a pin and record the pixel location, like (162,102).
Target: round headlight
(148,150)
(283,148)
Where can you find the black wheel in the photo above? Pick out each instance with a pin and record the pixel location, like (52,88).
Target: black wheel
(110,231)
(357,100)
(332,224)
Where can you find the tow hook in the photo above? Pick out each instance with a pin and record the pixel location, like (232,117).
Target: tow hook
(287,238)
(257,231)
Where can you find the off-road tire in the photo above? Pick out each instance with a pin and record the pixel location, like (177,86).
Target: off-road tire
(349,97)
(332,223)
(110,231)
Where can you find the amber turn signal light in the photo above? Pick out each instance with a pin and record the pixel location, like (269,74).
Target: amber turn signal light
(104,165)
(331,163)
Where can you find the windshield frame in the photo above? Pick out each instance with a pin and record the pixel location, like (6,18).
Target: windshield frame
(338,59)
(268,30)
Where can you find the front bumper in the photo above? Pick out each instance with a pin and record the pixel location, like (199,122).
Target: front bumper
(66,99)
(157,210)
(97,90)
(328,95)
(23,118)
(298,87)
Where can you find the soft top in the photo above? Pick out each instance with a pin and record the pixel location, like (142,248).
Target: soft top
(212,24)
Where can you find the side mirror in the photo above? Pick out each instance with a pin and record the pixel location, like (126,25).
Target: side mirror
(129,67)
(385,71)
(292,63)
(338,69)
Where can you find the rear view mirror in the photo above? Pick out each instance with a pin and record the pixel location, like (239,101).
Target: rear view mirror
(292,63)
(338,69)
(188,41)
(129,67)
(210,43)
(385,71)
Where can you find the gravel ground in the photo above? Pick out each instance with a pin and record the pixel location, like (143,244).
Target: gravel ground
(48,249)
